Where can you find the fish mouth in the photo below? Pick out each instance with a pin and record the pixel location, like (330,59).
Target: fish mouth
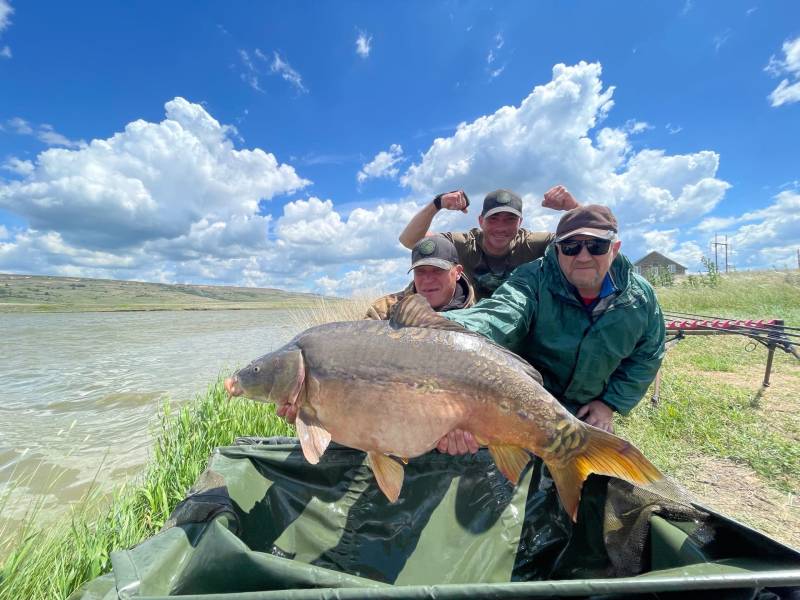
(232,386)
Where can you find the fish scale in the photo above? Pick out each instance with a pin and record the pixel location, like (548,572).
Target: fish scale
(395,388)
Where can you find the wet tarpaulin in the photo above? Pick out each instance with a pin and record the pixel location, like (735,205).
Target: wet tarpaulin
(261,522)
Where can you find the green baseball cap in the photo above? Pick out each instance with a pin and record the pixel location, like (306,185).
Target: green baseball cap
(436,251)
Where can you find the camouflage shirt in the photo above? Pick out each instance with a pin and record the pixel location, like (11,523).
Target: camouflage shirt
(488,272)
(463,298)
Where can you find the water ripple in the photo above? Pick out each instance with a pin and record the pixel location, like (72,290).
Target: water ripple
(79,390)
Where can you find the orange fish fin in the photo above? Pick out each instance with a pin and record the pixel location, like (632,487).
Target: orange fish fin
(605,454)
(511,460)
(569,482)
(388,473)
(314,438)
(414,311)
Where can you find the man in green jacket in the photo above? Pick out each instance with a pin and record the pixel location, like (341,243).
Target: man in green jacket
(590,325)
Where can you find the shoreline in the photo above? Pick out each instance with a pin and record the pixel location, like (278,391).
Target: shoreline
(28,294)
(49,309)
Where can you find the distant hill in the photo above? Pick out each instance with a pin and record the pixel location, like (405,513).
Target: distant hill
(37,293)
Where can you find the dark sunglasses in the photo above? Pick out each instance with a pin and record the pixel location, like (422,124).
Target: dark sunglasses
(595,247)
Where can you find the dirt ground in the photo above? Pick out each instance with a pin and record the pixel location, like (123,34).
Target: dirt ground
(736,490)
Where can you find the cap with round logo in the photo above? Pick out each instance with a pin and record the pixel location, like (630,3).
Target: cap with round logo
(502,201)
(436,251)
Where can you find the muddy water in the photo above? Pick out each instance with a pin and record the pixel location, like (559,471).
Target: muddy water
(79,391)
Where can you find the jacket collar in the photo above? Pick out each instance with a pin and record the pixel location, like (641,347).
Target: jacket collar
(463,282)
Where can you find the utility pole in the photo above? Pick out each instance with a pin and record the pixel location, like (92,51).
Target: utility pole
(715,243)
(726,253)
(716,262)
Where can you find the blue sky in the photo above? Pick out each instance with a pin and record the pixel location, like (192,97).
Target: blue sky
(286,144)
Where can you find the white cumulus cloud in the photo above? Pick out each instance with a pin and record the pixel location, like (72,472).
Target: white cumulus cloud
(555,136)
(20,167)
(769,237)
(5,14)
(152,181)
(552,137)
(788,90)
(176,201)
(383,165)
(313,230)
(5,21)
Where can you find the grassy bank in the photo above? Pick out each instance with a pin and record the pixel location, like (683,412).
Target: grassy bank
(34,293)
(737,447)
(44,562)
(733,443)
(752,294)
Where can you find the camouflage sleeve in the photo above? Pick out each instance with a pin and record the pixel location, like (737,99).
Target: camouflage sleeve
(379,311)
(372,314)
(506,316)
(629,382)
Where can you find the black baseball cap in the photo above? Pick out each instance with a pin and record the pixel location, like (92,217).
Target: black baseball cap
(436,251)
(502,201)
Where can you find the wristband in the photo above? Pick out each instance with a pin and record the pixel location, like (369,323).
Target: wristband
(437,202)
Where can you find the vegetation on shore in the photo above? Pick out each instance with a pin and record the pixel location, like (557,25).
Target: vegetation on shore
(46,560)
(711,412)
(37,293)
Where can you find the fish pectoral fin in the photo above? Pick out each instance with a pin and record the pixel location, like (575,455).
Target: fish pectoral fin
(388,473)
(415,311)
(314,438)
(511,460)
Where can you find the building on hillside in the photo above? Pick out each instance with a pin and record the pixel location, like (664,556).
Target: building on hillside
(658,262)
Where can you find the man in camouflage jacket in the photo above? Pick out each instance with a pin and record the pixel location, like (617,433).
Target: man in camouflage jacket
(438,276)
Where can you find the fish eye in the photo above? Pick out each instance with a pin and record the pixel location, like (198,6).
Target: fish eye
(256,369)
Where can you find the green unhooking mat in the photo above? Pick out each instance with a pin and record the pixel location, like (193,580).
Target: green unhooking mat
(261,522)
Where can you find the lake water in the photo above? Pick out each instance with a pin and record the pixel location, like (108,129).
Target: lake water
(79,391)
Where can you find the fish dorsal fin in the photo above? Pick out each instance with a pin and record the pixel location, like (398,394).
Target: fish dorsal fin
(314,438)
(388,473)
(414,311)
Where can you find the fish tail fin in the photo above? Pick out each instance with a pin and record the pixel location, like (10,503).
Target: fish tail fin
(603,453)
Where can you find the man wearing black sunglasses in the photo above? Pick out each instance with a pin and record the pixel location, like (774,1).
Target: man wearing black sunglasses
(581,316)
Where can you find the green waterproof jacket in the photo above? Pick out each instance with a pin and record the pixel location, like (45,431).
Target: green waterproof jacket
(611,353)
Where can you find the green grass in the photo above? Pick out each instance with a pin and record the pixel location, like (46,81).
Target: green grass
(52,560)
(702,412)
(34,293)
(752,294)
(698,414)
